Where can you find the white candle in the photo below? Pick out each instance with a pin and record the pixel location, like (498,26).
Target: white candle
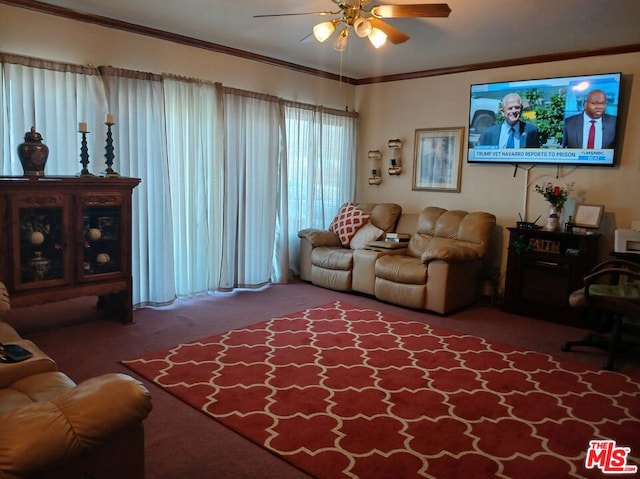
(110,118)
(82,127)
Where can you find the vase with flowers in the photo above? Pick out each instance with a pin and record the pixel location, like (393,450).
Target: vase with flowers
(556,196)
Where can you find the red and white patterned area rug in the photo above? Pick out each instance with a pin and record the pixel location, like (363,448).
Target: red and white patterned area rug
(341,391)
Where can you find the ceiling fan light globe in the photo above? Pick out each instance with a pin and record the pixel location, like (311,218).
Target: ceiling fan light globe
(323,30)
(362,27)
(340,43)
(377,37)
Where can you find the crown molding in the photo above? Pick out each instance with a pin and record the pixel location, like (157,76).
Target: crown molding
(555,57)
(171,37)
(214,47)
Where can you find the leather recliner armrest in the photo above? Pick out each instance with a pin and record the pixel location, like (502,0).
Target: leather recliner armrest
(40,434)
(319,237)
(4,300)
(38,363)
(451,254)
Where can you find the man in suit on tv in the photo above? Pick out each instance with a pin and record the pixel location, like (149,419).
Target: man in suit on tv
(512,132)
(593,128)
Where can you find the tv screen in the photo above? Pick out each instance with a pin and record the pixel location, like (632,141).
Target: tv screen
(556,121)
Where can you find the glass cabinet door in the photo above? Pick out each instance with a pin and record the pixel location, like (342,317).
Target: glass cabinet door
(101,228)
(40,259)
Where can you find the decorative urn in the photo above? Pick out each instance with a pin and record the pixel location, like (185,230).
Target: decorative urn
(33,153)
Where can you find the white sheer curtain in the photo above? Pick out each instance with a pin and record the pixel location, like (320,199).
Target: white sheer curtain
(228,176)
(137,102)
(53,97)
(321,167)
(194,146)
(253,161)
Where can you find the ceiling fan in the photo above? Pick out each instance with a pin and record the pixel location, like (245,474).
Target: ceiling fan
(367,21)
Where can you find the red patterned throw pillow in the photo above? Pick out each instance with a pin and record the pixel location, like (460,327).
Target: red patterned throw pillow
(347,222)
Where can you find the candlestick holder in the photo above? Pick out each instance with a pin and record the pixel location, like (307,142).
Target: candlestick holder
(109,152)
(84,155)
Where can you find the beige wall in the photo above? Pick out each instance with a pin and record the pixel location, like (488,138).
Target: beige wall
(387,110)
(397,109)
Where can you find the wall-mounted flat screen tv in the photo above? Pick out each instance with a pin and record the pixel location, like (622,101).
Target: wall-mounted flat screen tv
(556,121)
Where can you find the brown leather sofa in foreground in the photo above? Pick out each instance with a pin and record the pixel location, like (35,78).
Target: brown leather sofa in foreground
(54,428)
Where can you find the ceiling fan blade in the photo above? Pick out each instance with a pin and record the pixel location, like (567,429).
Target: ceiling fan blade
(416,10)
(295,14)
(394,35)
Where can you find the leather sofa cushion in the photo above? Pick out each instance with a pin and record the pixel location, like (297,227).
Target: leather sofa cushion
(41,387)
(38,363)
(4,300)
(448,224)
(59,421)
(319,237)
(8,334)
(449,253)
(438,227)
(332,258)
(401,269)
(383,215)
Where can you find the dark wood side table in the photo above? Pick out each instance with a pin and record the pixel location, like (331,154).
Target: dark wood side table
(543,269)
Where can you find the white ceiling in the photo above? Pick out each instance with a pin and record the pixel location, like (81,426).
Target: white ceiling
(477,31)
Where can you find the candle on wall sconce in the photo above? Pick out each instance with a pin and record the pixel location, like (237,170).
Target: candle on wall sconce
(374,179)
(395,169)
(374,156)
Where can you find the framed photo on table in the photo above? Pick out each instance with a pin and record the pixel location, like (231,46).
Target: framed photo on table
(588,216)
(438,159)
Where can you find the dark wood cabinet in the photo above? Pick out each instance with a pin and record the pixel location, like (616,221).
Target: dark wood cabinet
(64,237)
(543,269)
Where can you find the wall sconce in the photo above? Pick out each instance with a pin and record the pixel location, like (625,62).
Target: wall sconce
(374,157)
(395,168)
(375,178)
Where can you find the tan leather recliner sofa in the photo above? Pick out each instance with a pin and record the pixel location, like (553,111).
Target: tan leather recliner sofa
(325,262)
(54,428)
(440,268)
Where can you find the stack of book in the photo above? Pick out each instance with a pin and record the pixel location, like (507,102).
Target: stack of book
(397,237)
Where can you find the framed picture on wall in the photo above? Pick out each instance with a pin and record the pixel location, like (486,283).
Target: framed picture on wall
(438,159)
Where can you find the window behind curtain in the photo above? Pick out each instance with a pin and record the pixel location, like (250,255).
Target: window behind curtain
(54,98)
(321,167)
(196,167)
(252,156)
(300,171)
